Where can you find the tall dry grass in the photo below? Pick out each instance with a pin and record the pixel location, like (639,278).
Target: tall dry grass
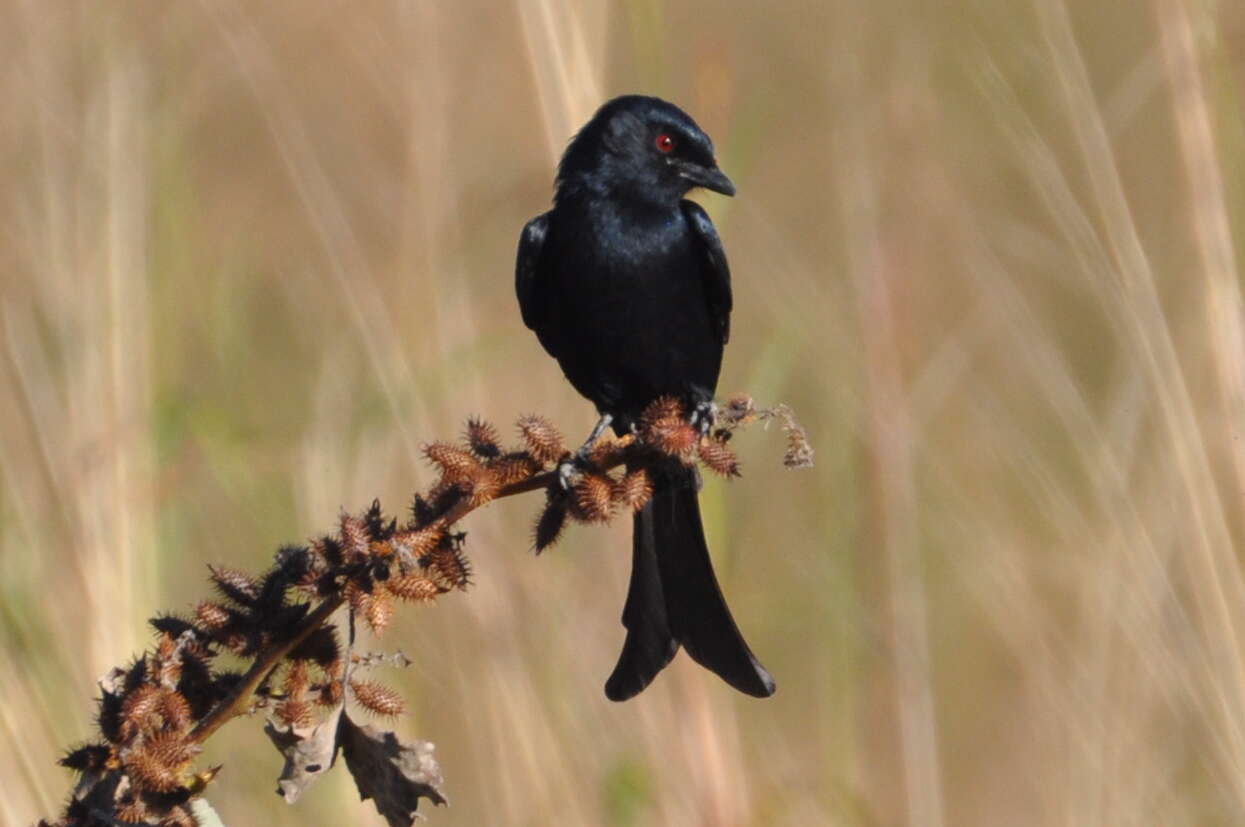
(254,254)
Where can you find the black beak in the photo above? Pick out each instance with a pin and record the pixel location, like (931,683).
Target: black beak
(711,178)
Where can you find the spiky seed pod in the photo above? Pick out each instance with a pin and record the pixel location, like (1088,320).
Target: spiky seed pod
(549,524)
(377,698)
(174,709)
(513,468)
(294,712)
(661,409)
(130,810)
(675,439)
(296,678)
(483,487)
(543,441)
(328,550)
(379,612)
(592,498)
(330,693)
(738,410)
(664,427)
(449,565)
(421,511)
(320,647)
(443,496)
(455,464)
(87,758)
(235,585)
(237,642)
(635,488)
(156,765)
(357,598)
(166,667)
(195,653)
(718,458)
(374,521)
(138,711)
(179,816)
(483,438)
(353,537)
(606,452)
(170,624)
(415,587)
(166,647)
(418,542)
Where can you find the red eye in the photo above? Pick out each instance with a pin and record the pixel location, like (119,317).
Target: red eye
(665,144)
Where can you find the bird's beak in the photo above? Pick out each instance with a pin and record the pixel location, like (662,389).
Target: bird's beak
(711,178)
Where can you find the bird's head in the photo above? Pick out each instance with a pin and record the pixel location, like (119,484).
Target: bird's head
(640,148)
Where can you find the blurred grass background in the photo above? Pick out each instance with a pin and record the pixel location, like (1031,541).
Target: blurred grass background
(254,254)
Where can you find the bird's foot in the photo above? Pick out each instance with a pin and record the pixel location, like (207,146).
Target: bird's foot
(704,415)
(571,468)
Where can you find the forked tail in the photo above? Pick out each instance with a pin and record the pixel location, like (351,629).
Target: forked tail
(674,598)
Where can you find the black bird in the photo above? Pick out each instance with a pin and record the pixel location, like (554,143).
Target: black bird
(626,285)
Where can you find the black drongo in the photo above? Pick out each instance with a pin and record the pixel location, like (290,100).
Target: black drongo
(626,285)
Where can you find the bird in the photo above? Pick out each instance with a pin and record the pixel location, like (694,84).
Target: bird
(626,284)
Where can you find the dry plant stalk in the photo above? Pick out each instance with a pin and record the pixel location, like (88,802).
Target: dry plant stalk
(155,714)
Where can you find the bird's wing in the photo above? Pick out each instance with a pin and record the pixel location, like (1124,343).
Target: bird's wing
(717,271)
(531,241)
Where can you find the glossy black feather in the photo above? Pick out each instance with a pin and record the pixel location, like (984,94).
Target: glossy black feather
(627,285)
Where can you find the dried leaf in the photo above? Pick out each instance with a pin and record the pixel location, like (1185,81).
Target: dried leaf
(308,751)
(395,775)
(799,451)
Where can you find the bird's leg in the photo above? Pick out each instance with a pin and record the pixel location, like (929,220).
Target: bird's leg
(597,430)
(704,414)
(567,468)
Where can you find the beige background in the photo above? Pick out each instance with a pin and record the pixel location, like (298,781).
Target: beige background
(254,254)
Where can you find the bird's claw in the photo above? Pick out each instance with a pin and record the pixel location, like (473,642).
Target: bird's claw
(704,415)
(571,468)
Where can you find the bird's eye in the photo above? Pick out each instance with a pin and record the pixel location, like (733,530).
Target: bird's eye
(665,144)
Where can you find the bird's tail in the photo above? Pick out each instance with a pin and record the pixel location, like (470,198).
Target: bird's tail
(674,598)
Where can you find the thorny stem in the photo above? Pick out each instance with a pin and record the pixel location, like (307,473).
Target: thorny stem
(239,699)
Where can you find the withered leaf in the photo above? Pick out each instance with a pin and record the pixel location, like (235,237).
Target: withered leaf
(394,774)
(308,751)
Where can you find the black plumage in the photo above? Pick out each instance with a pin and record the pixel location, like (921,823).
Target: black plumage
(627,286)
